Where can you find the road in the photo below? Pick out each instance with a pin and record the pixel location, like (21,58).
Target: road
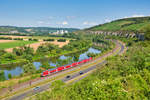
(91,68)
(46,86)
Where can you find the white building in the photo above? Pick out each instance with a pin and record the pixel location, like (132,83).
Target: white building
(60,32)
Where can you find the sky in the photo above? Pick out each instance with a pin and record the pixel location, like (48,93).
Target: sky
(69,13)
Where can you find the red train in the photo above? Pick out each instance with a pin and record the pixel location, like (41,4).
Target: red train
(50,71)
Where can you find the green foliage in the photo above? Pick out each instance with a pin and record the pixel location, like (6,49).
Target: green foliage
(46,65)
(2,76)
(18,51)
(9,76)
(63,61)
(5,38)
(42,49)
(91,54)
(56,85)
(30,39)
(28,50)
(2,52)
(9,56)
(17,38)
(124,77)
(48,39)
(147,32)
(61,40)
(127,24)
(29,68)
(77,45)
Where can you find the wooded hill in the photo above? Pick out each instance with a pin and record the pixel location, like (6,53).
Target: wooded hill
(32,30)
(136,24)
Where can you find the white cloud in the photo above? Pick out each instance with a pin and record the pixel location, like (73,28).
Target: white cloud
(89,23)
(107,20)
(85,23)
(136,15)
(64,23)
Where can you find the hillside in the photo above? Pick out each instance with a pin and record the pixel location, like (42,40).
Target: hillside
(32,30)
(135,24)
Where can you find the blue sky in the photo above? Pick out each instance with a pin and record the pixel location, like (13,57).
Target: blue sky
(69,13)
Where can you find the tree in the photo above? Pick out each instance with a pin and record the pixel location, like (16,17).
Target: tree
(91,54)
(2,76)
(28,50)
(29,68)
(46,65)
(18,51)
(2,52)
(9,76)
(146,29)
(28,57)
(9,56)
(42,49)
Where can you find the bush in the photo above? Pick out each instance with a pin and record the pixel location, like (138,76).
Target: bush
(35,40)
(30,39)
(2,52)
(29,68)
(18,39)
(9,56)
(5,38)
(18,51)
(146,30)
(61,40)
(91,54)
(48,39)
(2,76)
(9,76)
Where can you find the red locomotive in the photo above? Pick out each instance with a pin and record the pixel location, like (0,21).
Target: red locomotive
(50,71)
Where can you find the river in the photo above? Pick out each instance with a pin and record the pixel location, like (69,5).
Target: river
(54,62)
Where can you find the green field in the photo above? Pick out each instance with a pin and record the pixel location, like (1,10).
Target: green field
(14,44)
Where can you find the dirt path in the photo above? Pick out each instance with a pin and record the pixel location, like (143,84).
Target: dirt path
(4,41)
(14,36)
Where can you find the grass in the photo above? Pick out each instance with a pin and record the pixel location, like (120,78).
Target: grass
(129,24)
(60,76)
(14,44)
(77,78)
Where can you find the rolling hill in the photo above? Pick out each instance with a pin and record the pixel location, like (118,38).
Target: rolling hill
(135,24)
(32,30)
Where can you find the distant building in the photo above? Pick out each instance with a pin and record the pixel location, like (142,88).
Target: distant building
(28,30)
(59,32)
(13,32)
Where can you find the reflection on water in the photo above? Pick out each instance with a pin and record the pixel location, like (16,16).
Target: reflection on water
(14,72)
(53,62)
(37,65)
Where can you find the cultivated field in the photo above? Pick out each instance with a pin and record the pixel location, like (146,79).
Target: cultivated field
(13,44)
(37,44)
(8,45)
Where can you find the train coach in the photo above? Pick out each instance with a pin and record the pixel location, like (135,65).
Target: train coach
(50,71)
